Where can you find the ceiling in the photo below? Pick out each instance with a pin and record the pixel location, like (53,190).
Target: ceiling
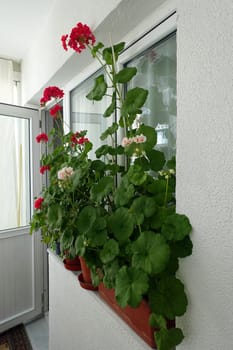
(20,22)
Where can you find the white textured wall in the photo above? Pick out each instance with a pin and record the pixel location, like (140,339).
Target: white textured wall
(79,319)
(46,56)
(205,164)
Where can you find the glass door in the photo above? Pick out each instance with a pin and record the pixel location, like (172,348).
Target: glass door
(21,255)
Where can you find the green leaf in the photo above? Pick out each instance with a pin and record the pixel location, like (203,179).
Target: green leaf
(176,227)
(108,52)
(97,235)
(158,189)
(131,284)
(99,89)
(55,215)
(96,48)
(134,100)
(171,164)
(121,224)
(137,209)
(80,245)
(102,188)
(125,75)
(86,218)
(166,339)
(169,298)
(142,162)
(110,251)
(157,159)
(109,131)
(110,271)
(111,108)
(157,321)
(98,165)
(182,248)
(136,175)
(124,192)
(150,133)
(159,217)
(150,253)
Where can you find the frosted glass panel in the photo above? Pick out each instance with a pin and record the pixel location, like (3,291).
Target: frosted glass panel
(15,179)
(88,115)
(157,73)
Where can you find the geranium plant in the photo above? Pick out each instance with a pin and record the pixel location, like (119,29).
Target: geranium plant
(130,233)
(65,160)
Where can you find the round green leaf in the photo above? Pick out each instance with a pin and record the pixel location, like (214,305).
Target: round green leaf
(157,159)
(86,219)
(136,175)
(150,253)
(167,339)
(110,251)
(122,224)
(102,188)
(169,298)
(176,227)
(131,284)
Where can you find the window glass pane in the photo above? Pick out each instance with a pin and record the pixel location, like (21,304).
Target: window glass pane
(15,178)
(157,73)
(88,115)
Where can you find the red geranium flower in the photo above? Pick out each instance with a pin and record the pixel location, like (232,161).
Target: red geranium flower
(74,139)
(83,140)
(38,203)
(43,168)
(54,111)
(80,37)
(49,93)
(42,137)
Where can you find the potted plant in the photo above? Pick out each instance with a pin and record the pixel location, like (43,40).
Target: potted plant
(65,160)
(130,234)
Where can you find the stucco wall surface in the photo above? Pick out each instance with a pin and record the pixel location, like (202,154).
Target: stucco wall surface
(204,168)
(79,319)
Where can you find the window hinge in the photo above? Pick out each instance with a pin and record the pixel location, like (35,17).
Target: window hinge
(40,124)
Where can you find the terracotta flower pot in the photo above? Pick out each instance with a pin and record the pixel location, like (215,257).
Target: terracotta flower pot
(85,277)
(137,318)
(72,264)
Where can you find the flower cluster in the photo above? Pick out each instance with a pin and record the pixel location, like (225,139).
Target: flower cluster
(77,139)
(43,137)
(80,37)
(44,168)
(54,111)
(38,203)
(65,173)
(136,139)
(49,93)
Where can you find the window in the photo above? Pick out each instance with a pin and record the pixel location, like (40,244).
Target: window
(86,114)
(156,72)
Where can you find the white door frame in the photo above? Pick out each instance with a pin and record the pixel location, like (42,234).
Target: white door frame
(19,302)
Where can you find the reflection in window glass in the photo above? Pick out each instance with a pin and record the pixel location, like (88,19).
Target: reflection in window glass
(156,71)
(88,115)
(15,179)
